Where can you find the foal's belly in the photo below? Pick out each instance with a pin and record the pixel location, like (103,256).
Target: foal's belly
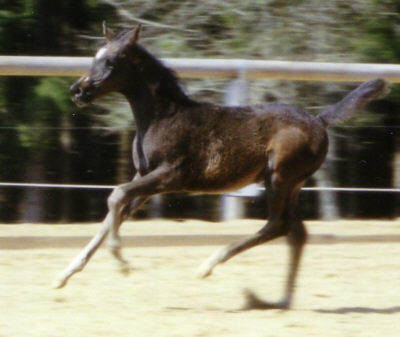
(225,181)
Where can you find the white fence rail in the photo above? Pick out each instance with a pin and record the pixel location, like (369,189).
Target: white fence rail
(212,68)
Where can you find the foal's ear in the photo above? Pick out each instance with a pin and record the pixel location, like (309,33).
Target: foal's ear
(107,32)
(133,35)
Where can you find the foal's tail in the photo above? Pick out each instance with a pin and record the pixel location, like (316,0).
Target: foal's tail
(365,93)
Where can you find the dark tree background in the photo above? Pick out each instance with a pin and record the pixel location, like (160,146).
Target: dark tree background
(45,138)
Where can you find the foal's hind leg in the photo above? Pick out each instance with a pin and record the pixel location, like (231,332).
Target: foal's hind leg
(296,237)
(154,182)
(278,191)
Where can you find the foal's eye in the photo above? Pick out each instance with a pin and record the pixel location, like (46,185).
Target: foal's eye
(109,64)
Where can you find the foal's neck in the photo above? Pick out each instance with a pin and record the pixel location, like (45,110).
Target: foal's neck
(153,93)
(148,105)
(142,107)
(143,111)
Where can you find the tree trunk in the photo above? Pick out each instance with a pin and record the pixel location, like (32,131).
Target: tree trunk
(31,208)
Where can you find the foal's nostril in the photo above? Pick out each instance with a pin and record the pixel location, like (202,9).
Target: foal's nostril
(75,89)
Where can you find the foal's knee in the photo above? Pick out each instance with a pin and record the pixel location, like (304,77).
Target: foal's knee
(116,199)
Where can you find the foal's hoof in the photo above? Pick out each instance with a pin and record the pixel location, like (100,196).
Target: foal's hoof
(204,270)
(116,253)
(208,265)
(253,302)
(124,266)
(59,282)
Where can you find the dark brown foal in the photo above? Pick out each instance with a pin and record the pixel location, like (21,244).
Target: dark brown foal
(186,146)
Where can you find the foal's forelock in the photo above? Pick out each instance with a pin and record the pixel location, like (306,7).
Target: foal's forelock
(100,53)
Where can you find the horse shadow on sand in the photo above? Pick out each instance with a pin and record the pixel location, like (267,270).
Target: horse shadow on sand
(253,302)
(360,310)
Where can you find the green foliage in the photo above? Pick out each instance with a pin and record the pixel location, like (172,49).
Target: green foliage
(309,30)
(50,101)
(42,27)
(52,91)
(379,33)
(36,114)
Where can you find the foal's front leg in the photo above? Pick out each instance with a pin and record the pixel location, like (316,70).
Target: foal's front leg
(114,239)
(139,189)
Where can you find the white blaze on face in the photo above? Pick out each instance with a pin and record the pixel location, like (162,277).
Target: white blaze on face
(100,53)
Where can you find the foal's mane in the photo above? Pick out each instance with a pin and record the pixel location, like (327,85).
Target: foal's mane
(155,72)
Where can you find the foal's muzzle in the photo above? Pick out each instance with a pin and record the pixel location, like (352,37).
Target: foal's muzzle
(80,95)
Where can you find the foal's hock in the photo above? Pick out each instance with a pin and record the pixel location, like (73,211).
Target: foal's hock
(182,145)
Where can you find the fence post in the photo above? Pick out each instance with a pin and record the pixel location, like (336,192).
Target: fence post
(232,206)
(328,200)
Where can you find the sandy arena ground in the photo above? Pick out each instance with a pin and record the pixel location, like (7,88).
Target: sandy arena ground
(349,284)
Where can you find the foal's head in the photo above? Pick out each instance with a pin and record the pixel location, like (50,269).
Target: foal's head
(110,67)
